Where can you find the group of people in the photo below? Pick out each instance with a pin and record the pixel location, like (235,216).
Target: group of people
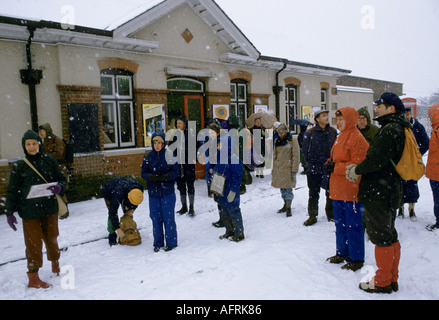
(355,166)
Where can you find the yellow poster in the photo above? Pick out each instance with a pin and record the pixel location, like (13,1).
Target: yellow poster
(153,121)
(307,113)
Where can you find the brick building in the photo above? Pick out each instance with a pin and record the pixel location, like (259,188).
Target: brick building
(107,90)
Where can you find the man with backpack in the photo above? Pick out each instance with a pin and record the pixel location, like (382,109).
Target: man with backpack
(57,148)
(380,191)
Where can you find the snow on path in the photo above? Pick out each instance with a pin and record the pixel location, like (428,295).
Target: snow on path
(279,259)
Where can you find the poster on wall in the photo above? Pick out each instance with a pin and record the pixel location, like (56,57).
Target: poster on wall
(307,113)
(221,111)
(261,108)
(153,120)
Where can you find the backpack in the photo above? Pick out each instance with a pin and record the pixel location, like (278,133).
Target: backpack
(410,166)
(132,234)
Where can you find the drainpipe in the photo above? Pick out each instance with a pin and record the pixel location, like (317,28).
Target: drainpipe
(31,78)
(278,89)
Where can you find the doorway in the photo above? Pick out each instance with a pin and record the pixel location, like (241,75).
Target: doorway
(186,97)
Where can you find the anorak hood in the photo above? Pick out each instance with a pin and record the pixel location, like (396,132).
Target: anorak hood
(31,135)
(48,128)
(434,113)
(350,116)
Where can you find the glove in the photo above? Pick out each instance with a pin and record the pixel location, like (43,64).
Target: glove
(329,166)
(350,173)
(153,177)
(231,196)
(163,177)
(56,189)
(11,221)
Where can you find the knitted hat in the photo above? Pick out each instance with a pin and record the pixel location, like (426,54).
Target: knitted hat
(135,196)
(282,128)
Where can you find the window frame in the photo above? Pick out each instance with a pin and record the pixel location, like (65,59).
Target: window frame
(117,100)
(236,103)
(291,105)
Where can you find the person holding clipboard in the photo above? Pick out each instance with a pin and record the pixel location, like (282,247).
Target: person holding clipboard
(39,214)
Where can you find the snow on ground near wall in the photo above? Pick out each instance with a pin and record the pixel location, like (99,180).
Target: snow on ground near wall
(279,259)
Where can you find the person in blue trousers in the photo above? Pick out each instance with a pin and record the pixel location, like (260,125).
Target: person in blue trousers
(231,167)
(160,176)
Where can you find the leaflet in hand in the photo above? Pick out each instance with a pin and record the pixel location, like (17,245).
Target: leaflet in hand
(40,190)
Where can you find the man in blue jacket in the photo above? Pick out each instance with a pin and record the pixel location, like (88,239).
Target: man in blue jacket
(160,175)
(316,150)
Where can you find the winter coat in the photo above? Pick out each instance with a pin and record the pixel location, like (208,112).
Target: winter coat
(156,163)
(115,192)
(316,148)
(23,177)
(232,169)
(286,159)
(349,148)
(421,135)
(53,144)
(371,130)
(432,168)
(380,181)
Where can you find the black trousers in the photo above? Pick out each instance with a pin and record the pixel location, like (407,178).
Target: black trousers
(314,185)
(379,219)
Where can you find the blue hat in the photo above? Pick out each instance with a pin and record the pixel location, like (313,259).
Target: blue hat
(393,100)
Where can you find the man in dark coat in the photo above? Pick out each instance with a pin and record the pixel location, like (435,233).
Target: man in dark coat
(316,150)
(381,191)
(124,192)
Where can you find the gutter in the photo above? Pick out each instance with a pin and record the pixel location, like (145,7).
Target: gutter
(31,77)
(278,89)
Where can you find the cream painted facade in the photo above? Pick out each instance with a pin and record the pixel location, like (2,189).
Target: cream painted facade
(71,64)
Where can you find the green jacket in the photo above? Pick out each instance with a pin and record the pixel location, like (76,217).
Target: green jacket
(23,177)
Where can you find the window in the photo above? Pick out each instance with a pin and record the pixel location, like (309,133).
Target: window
(291,105)
(117,108)
(238,101)
(323,94)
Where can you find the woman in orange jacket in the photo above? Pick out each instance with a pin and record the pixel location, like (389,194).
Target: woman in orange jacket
(432,169)
(349,148)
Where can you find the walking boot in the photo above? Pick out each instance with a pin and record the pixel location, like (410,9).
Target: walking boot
(382,282)
(412,212)
(191,204)
(183,209)
(395,270)
(401,212)
(283,209)
(191,210)
(55,267)
(35,282)
(288,208)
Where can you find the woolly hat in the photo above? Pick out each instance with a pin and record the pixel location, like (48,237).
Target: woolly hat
(282,128)
(135,196)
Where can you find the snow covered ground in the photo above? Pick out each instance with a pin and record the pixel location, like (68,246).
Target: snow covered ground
(279,259)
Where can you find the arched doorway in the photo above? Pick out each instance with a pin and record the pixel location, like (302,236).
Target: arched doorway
(186,96)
